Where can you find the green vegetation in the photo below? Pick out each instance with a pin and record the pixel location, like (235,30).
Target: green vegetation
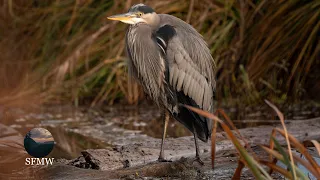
(68,51)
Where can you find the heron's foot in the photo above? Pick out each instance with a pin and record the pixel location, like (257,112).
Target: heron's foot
(161,159)
(197,158)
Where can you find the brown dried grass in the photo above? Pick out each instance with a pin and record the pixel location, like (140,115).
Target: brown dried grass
(67,50)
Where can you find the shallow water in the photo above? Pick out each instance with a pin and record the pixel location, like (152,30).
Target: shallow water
(77,129)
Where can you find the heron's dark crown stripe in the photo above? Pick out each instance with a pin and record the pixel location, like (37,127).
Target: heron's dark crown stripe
(141,8)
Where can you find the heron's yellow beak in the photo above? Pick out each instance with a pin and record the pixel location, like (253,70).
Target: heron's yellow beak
(122,17)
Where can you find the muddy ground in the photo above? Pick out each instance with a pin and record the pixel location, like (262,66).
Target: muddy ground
(137,159)
(95,146)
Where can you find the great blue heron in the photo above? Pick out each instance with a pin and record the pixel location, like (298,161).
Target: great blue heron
(173,64)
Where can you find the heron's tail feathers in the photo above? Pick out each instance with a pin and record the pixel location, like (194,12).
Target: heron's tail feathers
(192,120)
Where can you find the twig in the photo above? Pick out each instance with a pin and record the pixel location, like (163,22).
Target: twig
(190,11)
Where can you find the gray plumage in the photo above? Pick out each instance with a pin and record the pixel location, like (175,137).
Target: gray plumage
(173,64)
(191,67)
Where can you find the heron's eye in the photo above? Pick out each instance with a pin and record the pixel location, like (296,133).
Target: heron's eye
(139,14)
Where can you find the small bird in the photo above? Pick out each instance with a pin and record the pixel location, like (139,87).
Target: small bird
(173,64)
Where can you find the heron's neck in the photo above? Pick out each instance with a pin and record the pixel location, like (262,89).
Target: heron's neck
(153,20)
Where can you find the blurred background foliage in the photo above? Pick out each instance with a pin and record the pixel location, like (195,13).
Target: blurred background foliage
(67,51)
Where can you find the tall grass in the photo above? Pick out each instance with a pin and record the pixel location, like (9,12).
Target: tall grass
(67,50)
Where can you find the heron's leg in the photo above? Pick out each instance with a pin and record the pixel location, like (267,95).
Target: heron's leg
(197,146)
(165,124)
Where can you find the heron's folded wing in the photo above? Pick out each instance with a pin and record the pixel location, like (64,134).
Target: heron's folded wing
(187,77)
(194,45)
(191,84)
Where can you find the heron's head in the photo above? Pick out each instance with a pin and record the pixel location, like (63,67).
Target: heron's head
(138,13)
